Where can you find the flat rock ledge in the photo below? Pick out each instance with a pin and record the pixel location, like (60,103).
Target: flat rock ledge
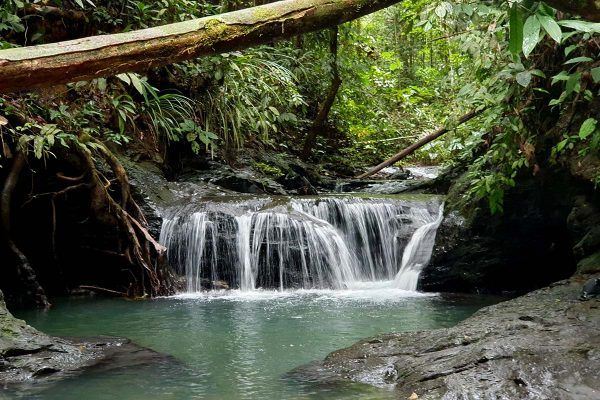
(30,360)
(544,345)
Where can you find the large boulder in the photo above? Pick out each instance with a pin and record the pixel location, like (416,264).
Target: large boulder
(544,345)
(547,226)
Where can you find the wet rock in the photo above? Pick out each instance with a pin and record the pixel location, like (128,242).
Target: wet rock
(401,174)
(541,345)
(29,358)
(243,180)
(590,289)
(207,284)
(531,244)
(154,193)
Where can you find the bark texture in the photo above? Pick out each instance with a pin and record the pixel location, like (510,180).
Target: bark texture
(325,107)
(98,56)
(588,9)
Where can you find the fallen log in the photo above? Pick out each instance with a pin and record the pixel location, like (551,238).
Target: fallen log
(414,147)
(106,55)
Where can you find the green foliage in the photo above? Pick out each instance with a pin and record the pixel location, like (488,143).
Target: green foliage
(406,71)
(253,87)
(270,170)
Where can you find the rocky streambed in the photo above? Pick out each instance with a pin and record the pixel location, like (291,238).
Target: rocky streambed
(544,345)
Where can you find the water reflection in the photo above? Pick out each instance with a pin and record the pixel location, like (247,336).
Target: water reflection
(236,345)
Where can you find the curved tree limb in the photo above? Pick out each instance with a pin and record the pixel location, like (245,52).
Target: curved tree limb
(325,107)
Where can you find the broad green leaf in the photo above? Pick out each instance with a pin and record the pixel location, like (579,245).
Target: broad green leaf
(578,60)
(523,78)
(38,146)
(531,34)
(587,128)
(596,74)
(546,10)
(569,49)
(551,27)
(562,76)
(137,84)
(581,26)
(537,72)
(125,78)
(560,146)
(516,30)
(573,83)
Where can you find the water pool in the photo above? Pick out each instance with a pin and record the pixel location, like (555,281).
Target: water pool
(238,345)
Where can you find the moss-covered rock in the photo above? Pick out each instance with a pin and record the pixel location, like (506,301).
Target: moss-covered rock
(528,246)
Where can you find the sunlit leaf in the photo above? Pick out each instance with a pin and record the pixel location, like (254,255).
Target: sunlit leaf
(551,27)
(531,34)
(587,128)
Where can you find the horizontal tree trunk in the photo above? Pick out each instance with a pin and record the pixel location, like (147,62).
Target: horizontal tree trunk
(98,56)
(414,147)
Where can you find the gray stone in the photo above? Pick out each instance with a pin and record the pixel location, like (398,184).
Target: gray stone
(30,359)
(543,345)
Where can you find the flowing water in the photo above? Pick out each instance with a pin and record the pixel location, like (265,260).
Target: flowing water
(309,276)
(309,243)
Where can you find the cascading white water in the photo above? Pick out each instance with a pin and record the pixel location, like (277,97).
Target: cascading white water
(299,243)
(417,253)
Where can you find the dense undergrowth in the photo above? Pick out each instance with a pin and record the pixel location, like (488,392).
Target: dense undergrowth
(405,71)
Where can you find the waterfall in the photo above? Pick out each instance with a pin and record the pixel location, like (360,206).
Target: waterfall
(417,253)
(279,243)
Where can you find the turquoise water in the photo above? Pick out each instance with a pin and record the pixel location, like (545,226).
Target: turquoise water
(234,345)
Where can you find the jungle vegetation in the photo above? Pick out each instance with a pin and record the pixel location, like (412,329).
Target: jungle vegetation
(342,99)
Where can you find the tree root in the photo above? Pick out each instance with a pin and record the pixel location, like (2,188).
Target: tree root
(140,252)
(145,253)
(25,272)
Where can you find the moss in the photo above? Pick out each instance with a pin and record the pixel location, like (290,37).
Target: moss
(268,169)
(263,13)
(590,264)
(458,200)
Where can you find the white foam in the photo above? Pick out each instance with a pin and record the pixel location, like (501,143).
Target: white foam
(378,291)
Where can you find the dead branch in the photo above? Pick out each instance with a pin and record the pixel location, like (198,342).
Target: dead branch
(414,147)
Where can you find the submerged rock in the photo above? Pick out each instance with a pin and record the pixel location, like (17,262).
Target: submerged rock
(541,345)
(29,358)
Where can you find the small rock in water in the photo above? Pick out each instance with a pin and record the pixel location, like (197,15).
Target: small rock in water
(220,285)
(590,289)
(413,396)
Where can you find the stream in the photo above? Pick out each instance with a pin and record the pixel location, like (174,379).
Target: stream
(307,276)
(236,345)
